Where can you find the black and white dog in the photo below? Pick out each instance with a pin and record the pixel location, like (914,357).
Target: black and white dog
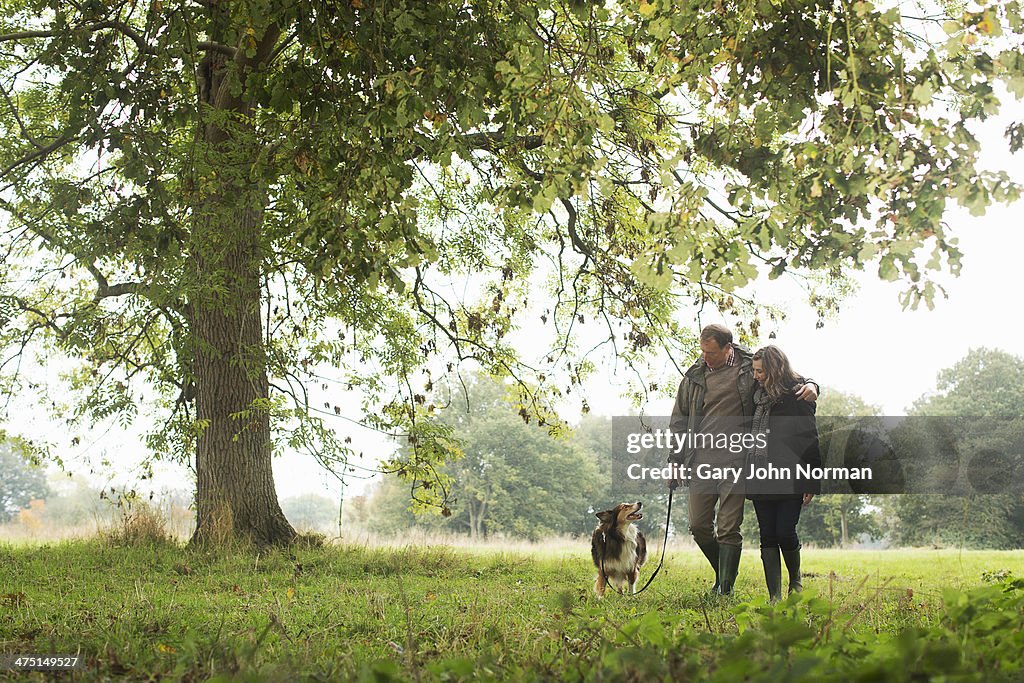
(618,548)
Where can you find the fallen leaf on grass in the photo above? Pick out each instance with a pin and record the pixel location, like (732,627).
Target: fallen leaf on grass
(12,599)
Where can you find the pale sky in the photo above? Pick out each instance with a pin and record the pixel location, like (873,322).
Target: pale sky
(889,356)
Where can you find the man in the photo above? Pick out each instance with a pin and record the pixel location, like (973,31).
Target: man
(716,396)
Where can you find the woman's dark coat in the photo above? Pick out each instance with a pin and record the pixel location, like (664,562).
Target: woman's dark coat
(792,438)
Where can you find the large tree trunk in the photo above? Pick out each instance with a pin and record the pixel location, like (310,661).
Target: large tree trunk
(235,494)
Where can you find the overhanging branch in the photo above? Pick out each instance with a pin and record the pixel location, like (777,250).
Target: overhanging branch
(121,27)
(105,290)
(210,46)
(39,153)
(490,142)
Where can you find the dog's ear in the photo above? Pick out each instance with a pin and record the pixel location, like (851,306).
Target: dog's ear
(607,516)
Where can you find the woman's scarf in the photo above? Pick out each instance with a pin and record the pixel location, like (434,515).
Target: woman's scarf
(759,425)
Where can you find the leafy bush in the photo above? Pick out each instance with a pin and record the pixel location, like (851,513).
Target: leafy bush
(804,639)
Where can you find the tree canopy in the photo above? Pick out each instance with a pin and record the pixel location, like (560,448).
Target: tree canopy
(985,383)
(208,202)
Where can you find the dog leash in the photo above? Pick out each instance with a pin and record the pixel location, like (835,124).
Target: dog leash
(664,545)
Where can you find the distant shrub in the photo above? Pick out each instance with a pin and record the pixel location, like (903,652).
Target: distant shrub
(139,524)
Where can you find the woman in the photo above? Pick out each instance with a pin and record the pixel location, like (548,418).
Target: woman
(790,438)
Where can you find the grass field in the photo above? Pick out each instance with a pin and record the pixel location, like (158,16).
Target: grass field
(158,611)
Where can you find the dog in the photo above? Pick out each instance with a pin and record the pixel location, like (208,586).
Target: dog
(618,548)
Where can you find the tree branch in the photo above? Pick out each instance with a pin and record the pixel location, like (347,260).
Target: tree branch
(43,316)
(211,46)
(104,290)
(493,142)
(123,28)
(570,227)
(21,125)
(38,153)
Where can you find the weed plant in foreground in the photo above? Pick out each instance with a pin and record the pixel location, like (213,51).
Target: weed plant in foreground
(155,611)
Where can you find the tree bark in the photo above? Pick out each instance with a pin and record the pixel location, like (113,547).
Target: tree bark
(235,494)
(472,520)
(481,519)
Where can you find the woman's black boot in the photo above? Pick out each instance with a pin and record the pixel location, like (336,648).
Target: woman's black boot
(792,558)
(772,572)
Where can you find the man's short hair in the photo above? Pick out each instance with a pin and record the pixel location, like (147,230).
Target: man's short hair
(720,333)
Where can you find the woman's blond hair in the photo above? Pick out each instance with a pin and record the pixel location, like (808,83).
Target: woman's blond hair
(779,376)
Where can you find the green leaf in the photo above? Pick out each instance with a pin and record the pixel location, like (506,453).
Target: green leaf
(887,269)
(923,93)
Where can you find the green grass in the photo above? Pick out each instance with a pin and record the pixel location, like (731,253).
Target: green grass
(163,612)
